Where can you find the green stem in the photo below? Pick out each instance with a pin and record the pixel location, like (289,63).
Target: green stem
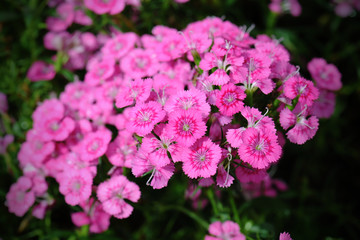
(190,214)
(234,209)
(211,197)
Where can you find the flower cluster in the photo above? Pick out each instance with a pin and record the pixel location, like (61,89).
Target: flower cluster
(286,6)
(206,99)
(345,8)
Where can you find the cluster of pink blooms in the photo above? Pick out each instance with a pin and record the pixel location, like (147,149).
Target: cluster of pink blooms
(189,98)
(286,6)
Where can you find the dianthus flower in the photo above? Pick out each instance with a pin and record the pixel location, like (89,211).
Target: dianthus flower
(41,71)
(65,18)
(122,150)
(94,144)
(110,6)
(299,86)
(285,236)
(112,194)
(144,117)
(135,91)
(247,174)
(120,45)
(139,63)
(304,128)
(190,100)
(227,230)
(3,103)
(259,148)
(324,106)
(75,185)
(326,76)
(186,127)
(201,159)
(223,178)
(100,72)
(229,99)
(20,196)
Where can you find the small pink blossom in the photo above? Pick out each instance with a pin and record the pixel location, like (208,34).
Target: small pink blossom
(94,144)
(41,71)
(20,196)
(137,91)
(65,18)
(324,106)
(285,236)
(139,63)
(223,178)
(326,76)
(259,148)
(194,100)
(119,45)
(75,185)
(109,6)
(248,174)
(122,150)
(230,99)
(144,117)
(4,142)
(3,103)
(112,194)
(299,86)
(201,159)
(227,230)
(100,72)
(186,127)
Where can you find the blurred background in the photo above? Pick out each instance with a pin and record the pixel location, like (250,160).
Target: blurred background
(322,175)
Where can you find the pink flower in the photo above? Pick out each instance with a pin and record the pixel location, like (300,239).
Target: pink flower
(119,45)
(144,117)
(40,71)
(223,178)
(304,128)
(229,99)
(94,144)
(186,127)
(299,86)
(75,185)
(326,76)
(227,230)
(20,197)
(112,194)
(4,142)
(201,159)
(194,100)
(324,106)
(234,137)
(259,148)
(285,236)
(139,63)
(136,91)
(81,18)
(100,72)
(109,6)
(122,150)
(65,18)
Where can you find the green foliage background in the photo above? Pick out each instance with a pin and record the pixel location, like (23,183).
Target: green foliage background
(323,175)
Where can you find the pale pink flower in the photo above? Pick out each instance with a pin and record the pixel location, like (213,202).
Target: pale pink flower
(186,127)
(119,45)
(81,18)
(275,51)
(41,71)
(109,6)
(285,236)
(201,159)
(326,75)
(100,72)
(227,230)
(324,106)
(299,86)
(122,150)
(259,148)
(234,137)
(229,99)
(112,194)
(143,117)
(139,63)
(223,178)
(94,144)
(256,120)
(65,17)
(190,100)
(284,6)
(75,185)
(5,141)
(20,196)
(73,93)
(137,91)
